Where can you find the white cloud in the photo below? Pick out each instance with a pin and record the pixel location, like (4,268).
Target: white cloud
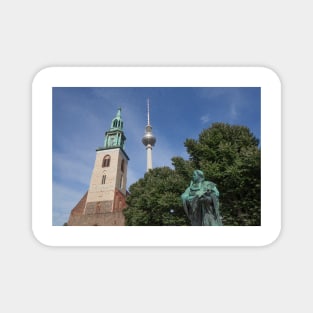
(233,112)
(232,99)
(205,118)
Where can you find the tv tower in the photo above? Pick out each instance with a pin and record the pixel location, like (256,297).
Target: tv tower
(148,139)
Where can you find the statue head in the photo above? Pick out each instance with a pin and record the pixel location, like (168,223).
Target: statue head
(197,176)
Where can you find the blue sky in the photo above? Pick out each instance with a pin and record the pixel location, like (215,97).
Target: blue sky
(81,116)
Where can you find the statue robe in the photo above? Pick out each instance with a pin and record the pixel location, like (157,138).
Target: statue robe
(201,204)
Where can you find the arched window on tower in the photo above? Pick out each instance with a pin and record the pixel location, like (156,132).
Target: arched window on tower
(122,165)
(115,123)
(106,161)
(103,179)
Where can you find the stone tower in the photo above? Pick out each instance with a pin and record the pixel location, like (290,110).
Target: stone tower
(148,139)
(105,199)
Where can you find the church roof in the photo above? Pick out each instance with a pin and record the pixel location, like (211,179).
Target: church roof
(80,206)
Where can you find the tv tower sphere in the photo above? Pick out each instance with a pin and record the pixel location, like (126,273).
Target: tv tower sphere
(148,138)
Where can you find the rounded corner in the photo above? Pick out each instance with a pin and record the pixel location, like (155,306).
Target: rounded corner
(38,239)
(40,74)
(274,238)
(272,74)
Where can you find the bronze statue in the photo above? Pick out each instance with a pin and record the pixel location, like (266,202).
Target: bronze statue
(201,201)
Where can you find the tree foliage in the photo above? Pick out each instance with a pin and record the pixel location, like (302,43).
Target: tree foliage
(155,200)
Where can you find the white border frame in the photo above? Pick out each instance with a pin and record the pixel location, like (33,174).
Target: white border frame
(156,77)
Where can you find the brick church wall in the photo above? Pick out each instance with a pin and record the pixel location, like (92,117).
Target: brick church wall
(100,219)
(99,213)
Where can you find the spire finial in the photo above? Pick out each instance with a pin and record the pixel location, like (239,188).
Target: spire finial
(119,112)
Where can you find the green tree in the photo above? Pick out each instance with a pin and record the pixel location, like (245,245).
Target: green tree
(154,200)
(229,156)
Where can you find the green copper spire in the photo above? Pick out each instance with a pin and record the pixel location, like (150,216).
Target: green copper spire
(115,137)
(117,122)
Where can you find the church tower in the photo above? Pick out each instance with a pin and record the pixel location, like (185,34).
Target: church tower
(106,197)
